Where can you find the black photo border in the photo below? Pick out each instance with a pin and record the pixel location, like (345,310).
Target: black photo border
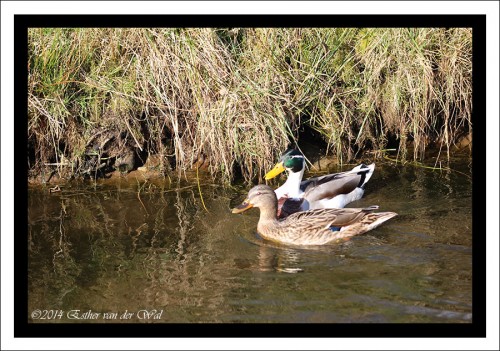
(23,329)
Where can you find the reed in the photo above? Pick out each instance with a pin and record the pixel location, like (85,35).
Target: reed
(232,99)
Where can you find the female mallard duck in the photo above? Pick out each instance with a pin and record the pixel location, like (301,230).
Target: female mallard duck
(330,191)
(313,227)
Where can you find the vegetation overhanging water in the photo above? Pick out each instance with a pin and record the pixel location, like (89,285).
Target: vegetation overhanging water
(230,100)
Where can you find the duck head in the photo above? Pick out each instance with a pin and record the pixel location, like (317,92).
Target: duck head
(261,196)
(292,161)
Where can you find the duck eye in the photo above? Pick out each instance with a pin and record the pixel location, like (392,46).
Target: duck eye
(258,193)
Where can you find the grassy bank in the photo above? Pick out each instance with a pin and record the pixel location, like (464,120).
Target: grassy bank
(231,100)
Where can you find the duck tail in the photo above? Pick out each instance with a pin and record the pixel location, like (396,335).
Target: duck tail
(368,172)
(376,219)
(368,222)
(365,171)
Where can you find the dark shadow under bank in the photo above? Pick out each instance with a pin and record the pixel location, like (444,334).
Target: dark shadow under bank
(314,149)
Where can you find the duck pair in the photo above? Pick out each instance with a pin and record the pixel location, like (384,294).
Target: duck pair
(311,212)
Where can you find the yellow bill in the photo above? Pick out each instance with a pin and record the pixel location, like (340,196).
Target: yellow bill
(275,171)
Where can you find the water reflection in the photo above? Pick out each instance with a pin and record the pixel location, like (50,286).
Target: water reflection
(284,260)
(128,247)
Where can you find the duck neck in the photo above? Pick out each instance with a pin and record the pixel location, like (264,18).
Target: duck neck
(292,185)
(268,213)
(267,217)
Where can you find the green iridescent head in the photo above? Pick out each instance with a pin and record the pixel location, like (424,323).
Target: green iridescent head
(292,161)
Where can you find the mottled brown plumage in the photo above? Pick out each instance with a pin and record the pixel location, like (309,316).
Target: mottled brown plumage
(313,227)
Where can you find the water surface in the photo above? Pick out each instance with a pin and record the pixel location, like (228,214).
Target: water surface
(149,252)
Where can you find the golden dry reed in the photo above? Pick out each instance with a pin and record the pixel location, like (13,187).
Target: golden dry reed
(236,97)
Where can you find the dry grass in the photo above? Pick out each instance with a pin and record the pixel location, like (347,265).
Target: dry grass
(235,98)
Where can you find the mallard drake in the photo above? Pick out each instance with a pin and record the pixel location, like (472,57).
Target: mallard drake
(329,191)
(313,227)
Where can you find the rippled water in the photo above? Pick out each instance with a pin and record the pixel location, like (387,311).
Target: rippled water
(150,252)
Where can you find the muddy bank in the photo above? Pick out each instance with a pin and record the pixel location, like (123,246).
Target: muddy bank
(128,169)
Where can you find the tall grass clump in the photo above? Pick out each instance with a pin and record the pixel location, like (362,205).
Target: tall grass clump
(419,82)
(232,99)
